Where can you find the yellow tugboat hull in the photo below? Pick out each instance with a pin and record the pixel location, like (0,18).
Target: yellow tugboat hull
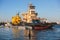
(16,20)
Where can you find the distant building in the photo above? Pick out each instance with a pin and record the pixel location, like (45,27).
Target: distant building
(7,24)
(58,22)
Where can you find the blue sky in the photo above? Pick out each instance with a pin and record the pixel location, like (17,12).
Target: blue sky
(49,9)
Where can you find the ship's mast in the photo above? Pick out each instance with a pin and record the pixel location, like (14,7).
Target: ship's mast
(31,8)
(17,14)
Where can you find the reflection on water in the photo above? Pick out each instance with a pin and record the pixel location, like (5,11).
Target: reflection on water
(5,33)
(22,34)
(17,34)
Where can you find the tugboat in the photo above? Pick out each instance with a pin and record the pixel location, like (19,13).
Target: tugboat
(30,19)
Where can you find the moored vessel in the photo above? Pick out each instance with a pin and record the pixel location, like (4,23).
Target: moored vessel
(30,18)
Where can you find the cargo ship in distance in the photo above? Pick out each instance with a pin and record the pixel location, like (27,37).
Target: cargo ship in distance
(30,18)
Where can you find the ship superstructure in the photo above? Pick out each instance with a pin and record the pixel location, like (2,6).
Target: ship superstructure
(30,14)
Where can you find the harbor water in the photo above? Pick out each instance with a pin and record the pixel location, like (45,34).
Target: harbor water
(19,34)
